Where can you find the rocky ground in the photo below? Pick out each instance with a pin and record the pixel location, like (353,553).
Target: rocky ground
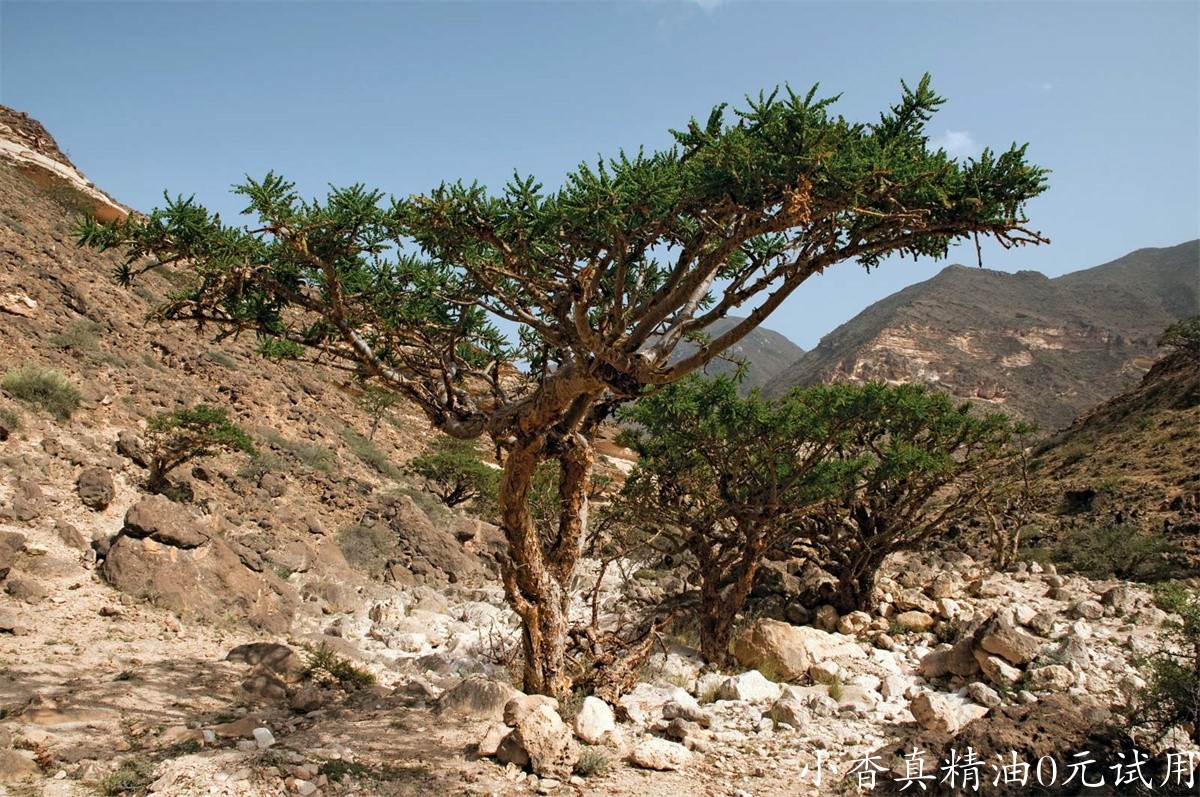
(98,685)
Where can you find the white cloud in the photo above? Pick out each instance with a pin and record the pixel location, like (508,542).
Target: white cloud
(957,143)
(1047,86)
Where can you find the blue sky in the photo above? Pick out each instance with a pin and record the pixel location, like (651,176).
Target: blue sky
(191,96)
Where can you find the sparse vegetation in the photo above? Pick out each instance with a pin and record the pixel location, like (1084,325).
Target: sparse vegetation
(43,388)
(1172,694)
(220,358)
(366,451)
(1110,551)
(310,455)
(325,665)
(132,777)
(1183,336)
(594,761)
(174,438)
(377,403)
(80,337)
(10,419)
(367,547)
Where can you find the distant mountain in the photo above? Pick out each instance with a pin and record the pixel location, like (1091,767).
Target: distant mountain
(765,352)
(1040,348)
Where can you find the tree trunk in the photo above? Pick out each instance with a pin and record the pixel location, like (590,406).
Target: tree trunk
(536,571)
(723,593)
(855,585)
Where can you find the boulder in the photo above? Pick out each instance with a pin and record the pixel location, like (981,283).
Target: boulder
(957,659)
(541,737)
(996,669)
(1054,678)
(854,623)
(1000,637)
(163,521)
(774,646)
(267,656)
(164,555)
(687,710)
(942,713)
(660,755)
(595,721)
(915,621)
(95,488)
(749,686)
(826,618)
(478,697)
(983,694)
(791,712)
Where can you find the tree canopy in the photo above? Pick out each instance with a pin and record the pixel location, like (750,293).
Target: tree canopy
(603,277)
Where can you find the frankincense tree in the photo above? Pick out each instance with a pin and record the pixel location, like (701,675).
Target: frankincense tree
(604,277)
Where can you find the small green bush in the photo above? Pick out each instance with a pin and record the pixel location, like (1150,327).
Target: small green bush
(131,777)
(593,761)
(43,388)
(455,472)
(80,337)
(367,548)
(174,438)
(1114,550)
(325,665)
(366,451)
(9,419)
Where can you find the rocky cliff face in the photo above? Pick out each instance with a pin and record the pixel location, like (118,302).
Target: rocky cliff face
(1040,348)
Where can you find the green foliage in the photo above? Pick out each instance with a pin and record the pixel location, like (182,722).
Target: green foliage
(377,403)
(324,665)
(603,278)
(174,438)
(43,388)
(1114,550)
(367,548)
(593,762)
(308,454)
(81,337)
(366,451)
(132,777)
(9,419)
(455,472)
(1183,336)
(1172,695)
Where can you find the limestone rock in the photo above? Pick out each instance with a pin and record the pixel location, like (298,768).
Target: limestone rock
(595,721)
(750,686)
(1002,638)
(915,621)
(776,646)
(660,755)
(544,739)
(1054,678)
(942,713)
(477,696)
(269,656)
(996,669)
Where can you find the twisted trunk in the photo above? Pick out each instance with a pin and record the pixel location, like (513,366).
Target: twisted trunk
(537,570)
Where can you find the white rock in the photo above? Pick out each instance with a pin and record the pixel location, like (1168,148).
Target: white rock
(595,721)
(750,686)
(661,755)
(263,738)
(944,713)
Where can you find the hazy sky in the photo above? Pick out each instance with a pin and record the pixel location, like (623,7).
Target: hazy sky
(189,97)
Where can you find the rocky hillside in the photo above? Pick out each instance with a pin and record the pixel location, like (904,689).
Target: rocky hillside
(766,354)
(1135,458)
(1044,349)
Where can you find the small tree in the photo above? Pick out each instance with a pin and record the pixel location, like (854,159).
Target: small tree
(377,403)
(923,463)
(455,473)
(721,480)
(174,438)
(603,277)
